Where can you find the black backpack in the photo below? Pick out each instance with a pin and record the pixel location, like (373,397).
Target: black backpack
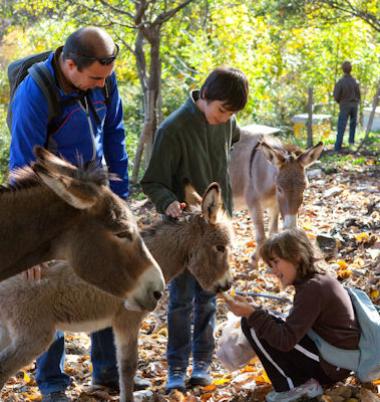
(34,65)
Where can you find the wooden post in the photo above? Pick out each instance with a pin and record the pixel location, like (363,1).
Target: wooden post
(375,102)
(309,124)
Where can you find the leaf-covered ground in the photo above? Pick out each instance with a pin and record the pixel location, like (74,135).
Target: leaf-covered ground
(341,212)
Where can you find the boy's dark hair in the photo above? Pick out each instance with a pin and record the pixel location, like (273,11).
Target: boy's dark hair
(346,67)
(228,85)
(87,45)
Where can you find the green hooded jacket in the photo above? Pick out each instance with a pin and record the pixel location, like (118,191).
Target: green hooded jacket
(186,147)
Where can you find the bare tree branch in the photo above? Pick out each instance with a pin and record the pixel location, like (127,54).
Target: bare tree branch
(141,8)
(116,9)
(169,14)
(349,9)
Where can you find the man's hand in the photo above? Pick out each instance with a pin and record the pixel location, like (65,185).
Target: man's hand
(174,209)
(34,273)
(239,305)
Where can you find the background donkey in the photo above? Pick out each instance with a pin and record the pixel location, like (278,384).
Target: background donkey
(71,214)
(30,313)
(267,174)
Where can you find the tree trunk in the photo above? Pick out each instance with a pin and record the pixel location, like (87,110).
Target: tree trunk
(151,87)
(310,117)
(375,102)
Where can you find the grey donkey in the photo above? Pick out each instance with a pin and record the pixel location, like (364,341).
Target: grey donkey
(266,174)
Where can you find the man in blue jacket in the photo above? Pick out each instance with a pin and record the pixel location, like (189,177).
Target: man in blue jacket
(88,128)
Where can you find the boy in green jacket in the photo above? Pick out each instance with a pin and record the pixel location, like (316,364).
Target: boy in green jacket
(193,144)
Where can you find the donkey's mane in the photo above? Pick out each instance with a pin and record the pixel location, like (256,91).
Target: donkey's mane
(186,216)
(91,172)
(289,151)
(23,178)
(293,149)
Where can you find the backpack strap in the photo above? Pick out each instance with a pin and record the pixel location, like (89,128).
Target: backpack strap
(107,90)
(46,82)
(348,359)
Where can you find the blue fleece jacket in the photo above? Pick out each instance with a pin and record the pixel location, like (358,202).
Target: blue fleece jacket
(76,134)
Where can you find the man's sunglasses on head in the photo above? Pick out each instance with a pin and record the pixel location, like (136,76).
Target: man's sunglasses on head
(105,61)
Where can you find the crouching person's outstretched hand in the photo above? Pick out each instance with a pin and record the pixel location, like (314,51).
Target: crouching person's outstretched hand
(239,305)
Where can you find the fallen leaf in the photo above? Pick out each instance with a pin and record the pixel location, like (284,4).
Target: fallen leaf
(374,294)
(209,388)
(362,237)
(222,381)
(206,397)
(342,264)
(26,377)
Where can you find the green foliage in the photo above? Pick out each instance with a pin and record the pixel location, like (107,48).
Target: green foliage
(4,146)
(283,46)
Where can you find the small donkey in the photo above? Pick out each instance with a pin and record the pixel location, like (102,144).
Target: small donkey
(30,313)
(62,212)
(267,174)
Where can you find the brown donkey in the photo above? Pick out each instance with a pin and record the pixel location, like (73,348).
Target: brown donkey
(67,213)
(267,174)
(30,313)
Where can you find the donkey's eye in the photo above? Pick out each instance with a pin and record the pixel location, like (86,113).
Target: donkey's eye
(125,235)
(221,249)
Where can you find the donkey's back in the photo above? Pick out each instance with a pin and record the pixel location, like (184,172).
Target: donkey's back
(252,175)
(31,312)
(55,302)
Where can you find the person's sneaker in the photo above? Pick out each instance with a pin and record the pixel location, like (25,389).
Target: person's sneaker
(310,389)
(176,379)
(141,383)
(59,396)
(200,375)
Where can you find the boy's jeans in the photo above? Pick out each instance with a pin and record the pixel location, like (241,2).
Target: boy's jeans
(348,110)
(190,305)
(50,375)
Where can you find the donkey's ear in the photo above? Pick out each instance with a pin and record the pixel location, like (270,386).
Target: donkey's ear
(78,194)
(192,198)
(311,155)
(275,157)
(212,204)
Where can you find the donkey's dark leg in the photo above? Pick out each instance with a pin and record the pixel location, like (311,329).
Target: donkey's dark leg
(126,328)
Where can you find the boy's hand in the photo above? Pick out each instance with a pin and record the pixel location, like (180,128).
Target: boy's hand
(238,305)
(175,209)
(34,273)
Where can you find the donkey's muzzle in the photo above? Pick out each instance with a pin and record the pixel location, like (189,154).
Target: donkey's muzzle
(157,295)
(224,287)
(149,290)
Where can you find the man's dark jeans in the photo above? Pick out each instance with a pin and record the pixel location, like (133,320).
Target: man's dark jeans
(347,110)
(50,374)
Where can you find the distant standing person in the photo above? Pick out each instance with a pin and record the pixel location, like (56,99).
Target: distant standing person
(347,94)
(194,144)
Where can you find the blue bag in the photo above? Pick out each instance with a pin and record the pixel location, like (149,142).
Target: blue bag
(365,361)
